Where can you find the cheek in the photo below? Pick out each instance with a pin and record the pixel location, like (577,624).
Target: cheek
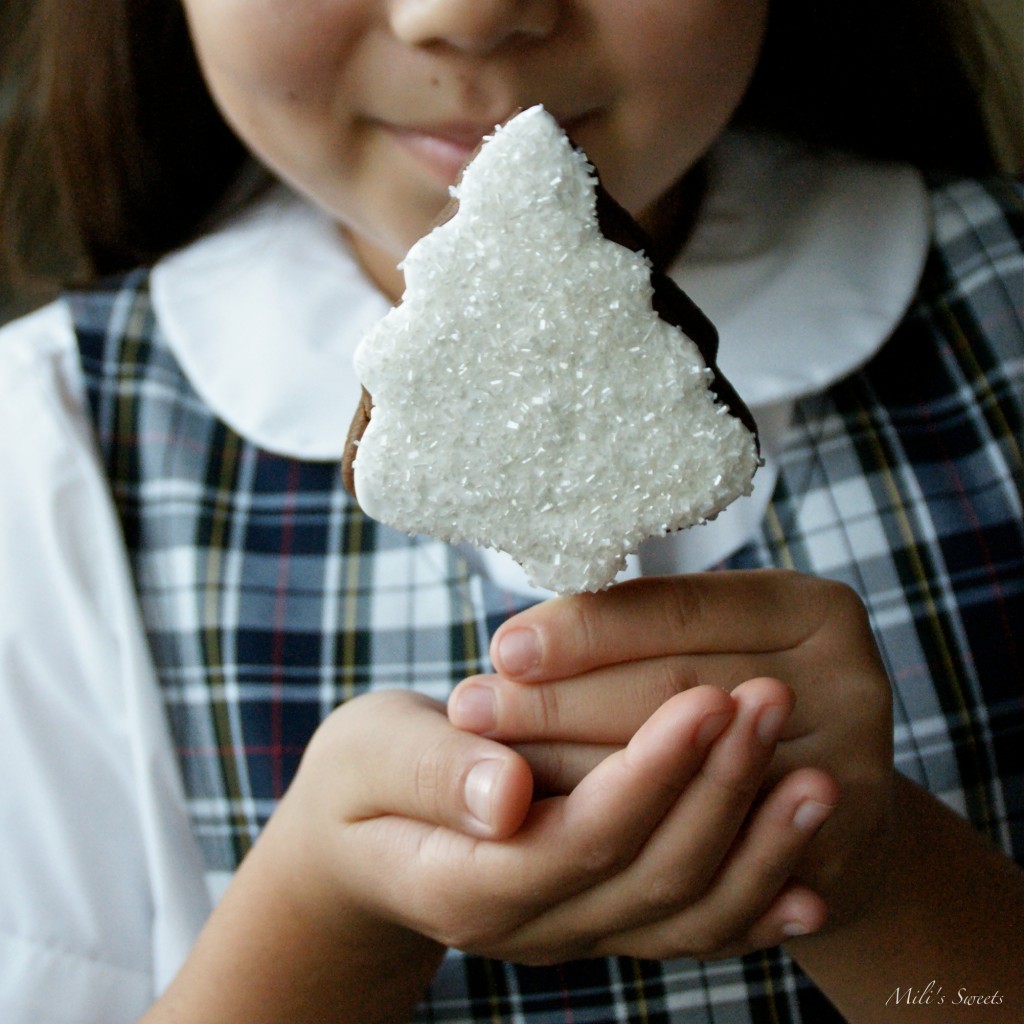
(688,68)
(276,70)
(272,50)
(699,63)
(692,35)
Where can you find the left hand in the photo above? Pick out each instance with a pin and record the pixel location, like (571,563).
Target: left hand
(578,676)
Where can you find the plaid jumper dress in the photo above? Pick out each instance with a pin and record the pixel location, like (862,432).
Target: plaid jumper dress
(269,598)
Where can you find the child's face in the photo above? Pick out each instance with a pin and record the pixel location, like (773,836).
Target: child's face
(370,107)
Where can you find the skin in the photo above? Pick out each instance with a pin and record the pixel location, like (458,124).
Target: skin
(370,108)
(912,891)
(381,855)
(699,766)
(579,676)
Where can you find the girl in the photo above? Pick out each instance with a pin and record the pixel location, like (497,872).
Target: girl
(691,766)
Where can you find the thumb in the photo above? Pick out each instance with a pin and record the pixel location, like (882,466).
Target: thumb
(399,755)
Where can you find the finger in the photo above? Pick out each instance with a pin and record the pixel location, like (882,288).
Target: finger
(439,879)
(691,841)
(603,706)
(599,827)
(740,904)
(753,902)
(696,836)
(760,611)
(399,755)
(558,768)
(795,912)
(566,843)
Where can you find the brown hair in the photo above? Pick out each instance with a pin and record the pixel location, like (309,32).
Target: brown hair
(114,146)
(113,120)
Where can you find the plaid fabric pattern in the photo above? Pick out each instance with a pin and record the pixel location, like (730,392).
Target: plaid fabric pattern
(905,481)
(268,597)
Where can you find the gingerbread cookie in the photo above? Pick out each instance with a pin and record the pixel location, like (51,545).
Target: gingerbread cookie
(541,389)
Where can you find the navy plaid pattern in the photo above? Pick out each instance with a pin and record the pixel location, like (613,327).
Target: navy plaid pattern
(269,598)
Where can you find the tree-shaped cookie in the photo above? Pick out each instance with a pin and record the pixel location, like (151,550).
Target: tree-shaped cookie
(532,392)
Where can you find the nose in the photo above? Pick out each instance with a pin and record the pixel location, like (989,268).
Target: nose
(473,25)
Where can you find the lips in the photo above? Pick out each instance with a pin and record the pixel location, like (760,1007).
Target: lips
(466,135)
(442,149)
(445,148)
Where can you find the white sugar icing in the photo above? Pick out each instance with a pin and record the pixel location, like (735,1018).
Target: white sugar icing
(526,396)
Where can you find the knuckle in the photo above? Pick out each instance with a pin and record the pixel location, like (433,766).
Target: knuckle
(600,859)
(670,676)
(434,774)
(580,627)
(684,606)
(843,595)
(820,607)
(426,778)
(772,864)
(840,604)
(548,709)
(665,893)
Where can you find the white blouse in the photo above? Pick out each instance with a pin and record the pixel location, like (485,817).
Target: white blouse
(805,263)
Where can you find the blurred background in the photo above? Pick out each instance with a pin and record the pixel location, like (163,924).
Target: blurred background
(1007,17)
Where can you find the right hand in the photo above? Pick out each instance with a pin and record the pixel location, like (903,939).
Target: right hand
(668,847)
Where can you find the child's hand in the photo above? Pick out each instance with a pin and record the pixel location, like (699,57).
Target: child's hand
(580,675)
(399,819)
(402,834)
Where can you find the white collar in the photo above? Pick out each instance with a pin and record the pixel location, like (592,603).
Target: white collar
(804,261)
(264,316)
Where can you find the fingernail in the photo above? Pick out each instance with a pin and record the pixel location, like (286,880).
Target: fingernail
(474,709)
(811,814)
(711,728)
(794,929)
(770,723)
(518,652)
(479,789)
